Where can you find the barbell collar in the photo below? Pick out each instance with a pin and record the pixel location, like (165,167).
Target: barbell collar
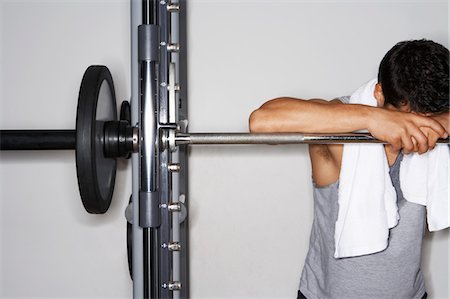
(119,139)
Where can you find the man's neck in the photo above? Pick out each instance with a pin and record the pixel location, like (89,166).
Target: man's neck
(391,154)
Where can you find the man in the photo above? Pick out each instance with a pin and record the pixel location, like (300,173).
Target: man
(413,103)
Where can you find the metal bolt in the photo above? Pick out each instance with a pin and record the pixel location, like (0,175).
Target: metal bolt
(173,47)
(174,246)
(175,167)
(173,7)
(174,207)
(174,285)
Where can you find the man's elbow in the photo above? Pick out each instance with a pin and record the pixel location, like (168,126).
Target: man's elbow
(258,121)
(266,119)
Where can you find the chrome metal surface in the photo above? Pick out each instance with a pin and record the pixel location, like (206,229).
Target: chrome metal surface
(174,207)
(165,263)
(171,141)
(174,167)
(135,139)
(174,246)
(172,93)
(175,285)
(148,128)
(173,47)
(173,7)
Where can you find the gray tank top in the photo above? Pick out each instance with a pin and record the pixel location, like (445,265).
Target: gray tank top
(391,274)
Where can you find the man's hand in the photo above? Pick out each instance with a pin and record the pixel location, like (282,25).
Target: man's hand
(444,120)
(431,135)
(408,131)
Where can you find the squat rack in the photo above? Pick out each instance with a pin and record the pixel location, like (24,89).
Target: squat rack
(153,130)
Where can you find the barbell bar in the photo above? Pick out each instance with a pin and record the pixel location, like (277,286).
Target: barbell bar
(178,139)
(66,139)
(12,140)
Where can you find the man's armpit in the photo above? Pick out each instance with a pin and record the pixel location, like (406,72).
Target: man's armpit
(320,151)
(325,167)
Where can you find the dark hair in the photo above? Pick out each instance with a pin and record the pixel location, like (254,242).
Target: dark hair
(416,71)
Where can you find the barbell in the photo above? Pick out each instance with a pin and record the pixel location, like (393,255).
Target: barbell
(100,138)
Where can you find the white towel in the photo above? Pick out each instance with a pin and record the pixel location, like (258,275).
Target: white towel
(425,180)
(367,198)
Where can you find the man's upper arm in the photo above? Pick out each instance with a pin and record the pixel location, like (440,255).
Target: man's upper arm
(326,158)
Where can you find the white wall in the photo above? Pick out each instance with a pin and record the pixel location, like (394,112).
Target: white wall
(250,206)
(50,246)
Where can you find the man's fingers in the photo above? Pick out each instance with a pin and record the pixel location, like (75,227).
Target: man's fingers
(416,145)
(432,137)
(432,124)
(420,141)
(407,143)
(432,140)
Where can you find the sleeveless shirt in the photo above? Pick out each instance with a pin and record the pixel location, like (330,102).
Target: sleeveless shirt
(391,274)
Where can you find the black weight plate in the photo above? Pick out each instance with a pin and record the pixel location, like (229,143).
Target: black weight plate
(96,173)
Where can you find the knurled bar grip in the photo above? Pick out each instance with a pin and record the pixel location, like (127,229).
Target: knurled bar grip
(275,138)
(37,140)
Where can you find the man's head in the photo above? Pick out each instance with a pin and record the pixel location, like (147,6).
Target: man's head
(414,76)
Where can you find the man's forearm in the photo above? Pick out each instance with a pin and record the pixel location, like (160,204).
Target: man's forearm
(314,116)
